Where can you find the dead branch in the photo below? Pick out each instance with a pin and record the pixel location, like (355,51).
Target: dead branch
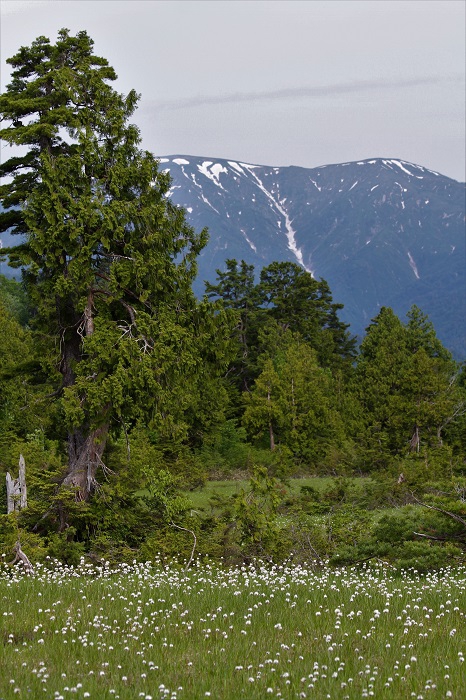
(178,527)
(430,537)
(458,518)
(20,556)
(443,538)
(131,311)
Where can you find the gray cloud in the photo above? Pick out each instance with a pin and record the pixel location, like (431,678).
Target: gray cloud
(323,91)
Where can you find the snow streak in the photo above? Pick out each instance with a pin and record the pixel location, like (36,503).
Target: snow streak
(413,265)
(290,232)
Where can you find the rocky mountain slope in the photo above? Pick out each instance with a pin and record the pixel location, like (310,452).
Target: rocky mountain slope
(382,232)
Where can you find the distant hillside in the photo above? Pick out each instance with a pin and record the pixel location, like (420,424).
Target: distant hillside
(6,241)
(382,232)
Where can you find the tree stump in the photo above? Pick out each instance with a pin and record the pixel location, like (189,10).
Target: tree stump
(16,491)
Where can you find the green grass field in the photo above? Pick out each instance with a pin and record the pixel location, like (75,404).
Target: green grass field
(200,498)
(144,631)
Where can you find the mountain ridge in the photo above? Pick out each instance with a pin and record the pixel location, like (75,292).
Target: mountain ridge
(381,231)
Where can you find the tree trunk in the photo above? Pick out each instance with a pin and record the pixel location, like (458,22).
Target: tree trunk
(85,446)
(272,437)
(84,458)
(415,441)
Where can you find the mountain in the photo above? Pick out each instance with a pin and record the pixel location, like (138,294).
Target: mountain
(382,232)
(7,240)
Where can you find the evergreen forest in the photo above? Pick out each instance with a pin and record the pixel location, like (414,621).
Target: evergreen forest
(128,396)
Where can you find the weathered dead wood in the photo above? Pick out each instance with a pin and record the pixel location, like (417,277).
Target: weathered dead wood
(85,457)
(21,557)
(185,529)
(456,517)
(442,538)
(16,491)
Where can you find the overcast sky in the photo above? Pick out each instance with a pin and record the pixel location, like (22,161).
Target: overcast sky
(277,83)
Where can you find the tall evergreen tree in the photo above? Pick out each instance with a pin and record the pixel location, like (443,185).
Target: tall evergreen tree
(237,289)
(305,305)
(407,383)
(109,260)
(293,401)
(289,296)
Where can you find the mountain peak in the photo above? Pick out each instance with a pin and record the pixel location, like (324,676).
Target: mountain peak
(388,234)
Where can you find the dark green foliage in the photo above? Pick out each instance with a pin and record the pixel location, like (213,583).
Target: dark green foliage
(14,300)
(304,305)
(292,403)
(251,526)
(286,296)
(110,260)
(225,450)
(237,290)
(407,384)
(25,407)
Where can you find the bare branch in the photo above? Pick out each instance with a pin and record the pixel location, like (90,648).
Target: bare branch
(131,311)
(440,510)
(178,527)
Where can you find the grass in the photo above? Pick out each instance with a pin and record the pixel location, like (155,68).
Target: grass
(227,633)
(200,498)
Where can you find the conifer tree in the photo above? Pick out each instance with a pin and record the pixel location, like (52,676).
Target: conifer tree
(237,290)
(292,400)
(109,261)
(304,305)
(288,296)
(407,383)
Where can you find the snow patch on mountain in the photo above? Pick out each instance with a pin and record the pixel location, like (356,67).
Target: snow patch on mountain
(400,165)
(213,172)
(413,265)
(251,244)
(236,166)
(290,232)
(204,199)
